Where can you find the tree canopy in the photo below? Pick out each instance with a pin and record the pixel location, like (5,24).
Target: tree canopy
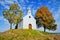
(45,19)
(13,15)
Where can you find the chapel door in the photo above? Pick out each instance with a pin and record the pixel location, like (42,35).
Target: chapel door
(30,26)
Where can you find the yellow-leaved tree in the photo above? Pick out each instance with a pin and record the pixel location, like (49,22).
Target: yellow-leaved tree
(13,15)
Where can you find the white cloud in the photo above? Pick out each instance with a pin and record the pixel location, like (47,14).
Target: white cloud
(8,2)
(33,11)
(57,18)
(31,5)
(57,15)
(27,1)
(58,27)
(15,1)
(4,25)
(22,0)
(3,4)
(2,18)
(11,2)
(52,9)
(24,7)
(49,2)
(33,2)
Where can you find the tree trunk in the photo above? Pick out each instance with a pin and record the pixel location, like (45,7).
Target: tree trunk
(10,26)
(16,27)
(44,29)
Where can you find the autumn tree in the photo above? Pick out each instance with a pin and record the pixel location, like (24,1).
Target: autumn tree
(45,19)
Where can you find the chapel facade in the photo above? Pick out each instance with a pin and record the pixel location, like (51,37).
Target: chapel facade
(29,21)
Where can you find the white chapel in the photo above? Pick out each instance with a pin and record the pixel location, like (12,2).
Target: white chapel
(29,21)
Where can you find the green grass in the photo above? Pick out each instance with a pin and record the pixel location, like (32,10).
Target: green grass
(44,32)
(24,34)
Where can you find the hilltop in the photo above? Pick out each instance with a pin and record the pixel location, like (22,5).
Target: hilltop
(24,34)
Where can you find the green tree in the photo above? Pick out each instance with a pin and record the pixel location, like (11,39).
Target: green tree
(9,16)
(17,18)
(13,15)
(45,19)
(18,14)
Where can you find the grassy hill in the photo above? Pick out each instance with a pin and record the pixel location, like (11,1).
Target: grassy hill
(0,32)
(24,34)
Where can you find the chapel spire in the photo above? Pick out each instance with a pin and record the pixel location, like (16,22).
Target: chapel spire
(29,11)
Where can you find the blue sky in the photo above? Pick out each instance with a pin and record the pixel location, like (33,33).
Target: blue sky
(52,5)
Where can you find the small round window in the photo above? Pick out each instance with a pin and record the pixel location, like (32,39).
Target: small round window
(29,16)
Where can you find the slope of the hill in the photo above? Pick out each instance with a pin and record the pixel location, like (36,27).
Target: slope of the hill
(24,34)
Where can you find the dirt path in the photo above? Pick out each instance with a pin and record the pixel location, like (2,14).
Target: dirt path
(54,37)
